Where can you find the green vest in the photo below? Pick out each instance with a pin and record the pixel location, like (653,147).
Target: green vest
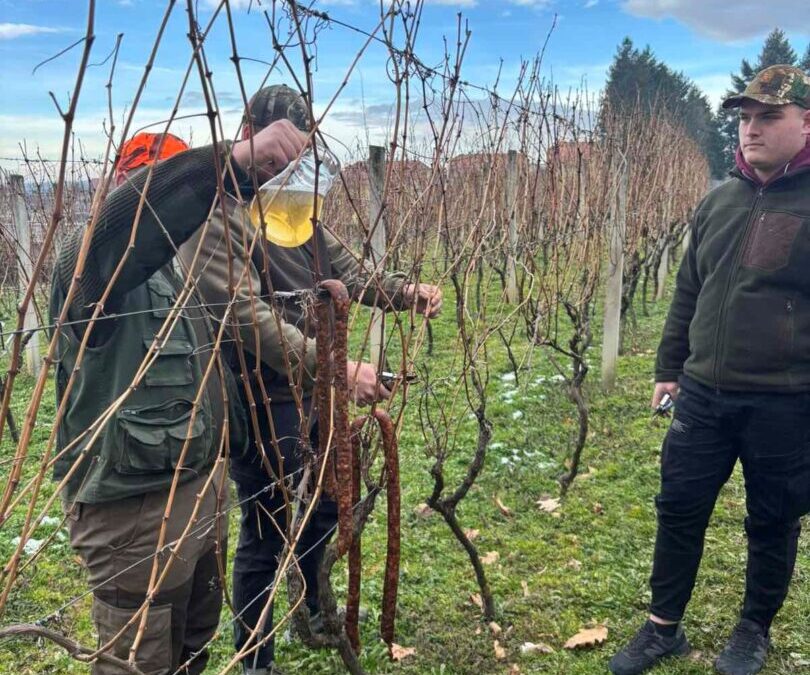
(138,449)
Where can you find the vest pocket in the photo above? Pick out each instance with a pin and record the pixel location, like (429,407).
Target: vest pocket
(173,366)
(151,438)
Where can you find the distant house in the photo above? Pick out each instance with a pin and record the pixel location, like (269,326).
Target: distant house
(568,153)
(408,179)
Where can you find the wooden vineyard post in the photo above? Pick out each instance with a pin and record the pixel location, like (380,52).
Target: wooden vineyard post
(376,181)
(511,210)
(613,294)
(33,360)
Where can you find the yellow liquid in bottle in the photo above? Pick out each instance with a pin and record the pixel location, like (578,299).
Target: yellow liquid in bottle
(287,216)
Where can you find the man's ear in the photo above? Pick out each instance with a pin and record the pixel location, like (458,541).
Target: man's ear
(806,124)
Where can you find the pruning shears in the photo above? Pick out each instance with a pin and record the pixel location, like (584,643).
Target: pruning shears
(387,379)
(664,407)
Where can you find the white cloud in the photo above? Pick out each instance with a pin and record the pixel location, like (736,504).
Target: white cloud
(9,31)
(724,20)
(261,4)
(591,3)
(456,3)
(236,4)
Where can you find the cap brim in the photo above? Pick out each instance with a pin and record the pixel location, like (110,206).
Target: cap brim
(767,99)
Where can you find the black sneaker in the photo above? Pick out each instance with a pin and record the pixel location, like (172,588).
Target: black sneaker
(746,650)
(646,649)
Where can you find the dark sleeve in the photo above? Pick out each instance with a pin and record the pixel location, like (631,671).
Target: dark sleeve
(179,197)
(674,347)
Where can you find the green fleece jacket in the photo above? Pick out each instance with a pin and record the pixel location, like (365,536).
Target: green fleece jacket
(740,318)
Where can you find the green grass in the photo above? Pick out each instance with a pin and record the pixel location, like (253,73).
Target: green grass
(588,565)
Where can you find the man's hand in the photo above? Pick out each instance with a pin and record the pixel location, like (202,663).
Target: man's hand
(274,147)
(662,388)
(364,386)
(426,298)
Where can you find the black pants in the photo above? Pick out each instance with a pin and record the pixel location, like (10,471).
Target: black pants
(260,544)
(770,434)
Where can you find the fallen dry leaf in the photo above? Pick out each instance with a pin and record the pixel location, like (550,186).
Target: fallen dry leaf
(475,598)
(500,652)
(574,564)
(587,637)
(423,511)
(505,510)
(471,534)
(590,473)
(531,648)
(549,505)
(398,652)
(525,588)
(598,509)
(495,628)
(514,669)
(490,557)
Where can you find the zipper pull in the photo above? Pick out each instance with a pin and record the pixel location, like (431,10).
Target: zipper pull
(789,306)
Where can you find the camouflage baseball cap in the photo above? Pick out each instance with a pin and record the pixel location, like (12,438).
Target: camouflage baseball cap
(776,85)
(277,102)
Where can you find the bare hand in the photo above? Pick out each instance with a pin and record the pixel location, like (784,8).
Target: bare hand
(274,147)
(426,298)
(662,388)
(364,385)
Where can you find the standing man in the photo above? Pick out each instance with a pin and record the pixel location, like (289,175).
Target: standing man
(279,353)
(116,477)
(735,353)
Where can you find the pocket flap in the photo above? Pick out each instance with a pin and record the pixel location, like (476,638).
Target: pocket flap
(171,347)
(184,431)
(146,435)
(159,286)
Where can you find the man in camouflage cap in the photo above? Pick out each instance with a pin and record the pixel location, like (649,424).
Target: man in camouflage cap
(735,352)
(278,350)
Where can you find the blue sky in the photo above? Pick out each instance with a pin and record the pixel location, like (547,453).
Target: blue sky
(706,39)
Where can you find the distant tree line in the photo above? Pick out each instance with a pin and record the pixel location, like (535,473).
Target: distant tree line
(638,80)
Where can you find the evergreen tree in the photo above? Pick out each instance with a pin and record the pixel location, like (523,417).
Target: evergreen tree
(637,79)
(776,50)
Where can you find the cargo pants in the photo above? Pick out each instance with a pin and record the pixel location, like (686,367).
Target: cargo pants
(117,541)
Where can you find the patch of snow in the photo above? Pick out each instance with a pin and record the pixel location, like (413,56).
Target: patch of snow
(31,546)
